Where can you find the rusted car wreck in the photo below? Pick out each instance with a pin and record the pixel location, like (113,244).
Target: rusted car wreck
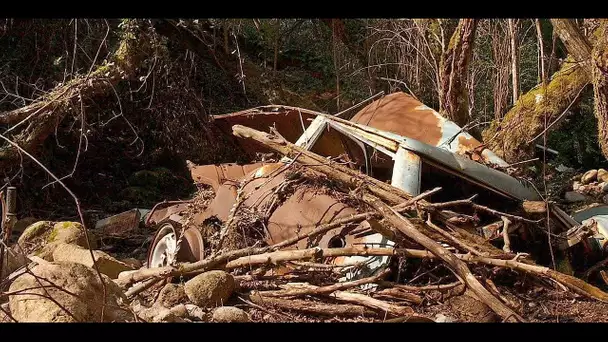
(395,139)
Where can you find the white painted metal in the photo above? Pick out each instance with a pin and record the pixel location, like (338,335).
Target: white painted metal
(166,248)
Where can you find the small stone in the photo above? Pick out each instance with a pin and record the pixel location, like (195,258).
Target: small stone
(532,304)
(576,185)
(604,187)
(602,175)
(196,312)
(179,310)
(573,197)
(210,289)
(229,314)
(441,318)
(589,176)
(172,295)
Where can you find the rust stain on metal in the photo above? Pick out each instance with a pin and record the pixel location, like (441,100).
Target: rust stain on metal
(215,175)
(158,215)
(119,224)
(399,113)
(284,120)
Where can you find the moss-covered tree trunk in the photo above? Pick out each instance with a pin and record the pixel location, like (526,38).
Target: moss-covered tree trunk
(512,138)
(453,94)
(32,124)
(599,69)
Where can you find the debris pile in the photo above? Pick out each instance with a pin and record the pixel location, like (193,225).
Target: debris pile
(591,186)
(307,236)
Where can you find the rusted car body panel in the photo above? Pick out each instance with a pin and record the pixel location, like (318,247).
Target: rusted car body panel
(393,139)
(396,133)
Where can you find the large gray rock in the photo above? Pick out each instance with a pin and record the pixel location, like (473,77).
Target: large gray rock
(210,289)
(229,314)
(106,264)
(76,288)
(573,197)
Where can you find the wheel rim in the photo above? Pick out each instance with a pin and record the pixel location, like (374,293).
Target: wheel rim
(164,250)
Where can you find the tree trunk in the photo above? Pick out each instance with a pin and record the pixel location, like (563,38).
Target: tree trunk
(32,124)
(453,69)
(514,58)
(500,54)
(577,45)
(513,137)
(276,46)
(599,69)
(541,51)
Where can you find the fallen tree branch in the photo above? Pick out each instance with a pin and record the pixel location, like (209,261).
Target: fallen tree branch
(311,307)
(329,288)
(455,264)
(359,299)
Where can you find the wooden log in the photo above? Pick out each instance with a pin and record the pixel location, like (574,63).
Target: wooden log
(311,307)
(359,299)
(534,207)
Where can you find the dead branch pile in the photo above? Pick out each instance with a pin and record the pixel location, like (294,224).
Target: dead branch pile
(440,258)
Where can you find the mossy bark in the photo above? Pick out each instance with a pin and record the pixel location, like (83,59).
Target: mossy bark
(512,138)
(454,65)
(599,69)
(32,124)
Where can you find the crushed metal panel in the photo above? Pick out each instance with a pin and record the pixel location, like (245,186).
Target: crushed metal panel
(216,175)
(476,172)
(290,122)
(403,115)
(121,224)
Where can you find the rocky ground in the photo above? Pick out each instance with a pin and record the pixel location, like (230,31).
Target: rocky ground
(49,276)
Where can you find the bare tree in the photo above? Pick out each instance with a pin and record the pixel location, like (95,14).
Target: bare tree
(514,57)
(454,72)
(599,69)
(541,51)
(523,124)
(502,65)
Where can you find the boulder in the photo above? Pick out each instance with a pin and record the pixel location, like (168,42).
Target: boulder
(572,197)
(602,175)
(20,227)
(172,295)
(106,264)
(589,176)
(210,289)
(83,297)
(157,313)
(41,238)
(229,314)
